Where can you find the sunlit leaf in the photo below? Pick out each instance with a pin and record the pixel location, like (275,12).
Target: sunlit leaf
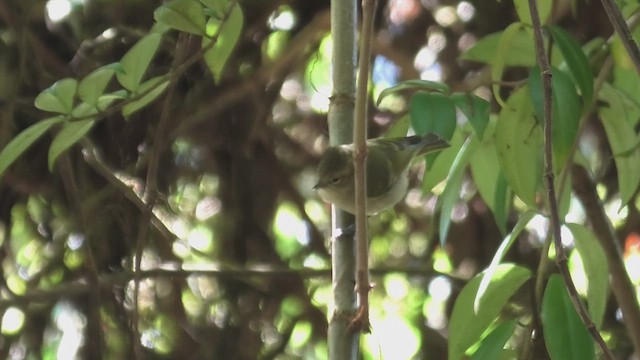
(566,111)
(499,255)
(423,85)
(182,15)
(71,132)
(519,146)
(475,108)
(93,85)
(451,193)
(58,97)
(24,140)
(157,84)
(565,335)
(225,41)
(622,140)
(505,47)
(521,50)
(596,269)
(438,169)
(576,60)
(399,128)
(466,325)
(493,344)
(544,10)
(136,61)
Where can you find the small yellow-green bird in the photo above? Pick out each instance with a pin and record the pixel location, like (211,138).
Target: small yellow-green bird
(388,163)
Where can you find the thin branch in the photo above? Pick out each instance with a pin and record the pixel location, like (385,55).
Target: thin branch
(620,25)
(361,321)
(106,282)
(150,196)
(561,258)
(621,285)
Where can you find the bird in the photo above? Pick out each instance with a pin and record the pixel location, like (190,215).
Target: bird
(387,167)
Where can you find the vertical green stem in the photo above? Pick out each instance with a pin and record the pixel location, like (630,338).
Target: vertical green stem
(343,343)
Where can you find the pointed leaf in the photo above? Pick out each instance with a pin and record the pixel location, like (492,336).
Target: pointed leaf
(466,325)
(493,344)
(136,61)
(71,132)
(504,48)
(438,169)
(94,84)
(576,60)
(58,97)
(565,335)
(596,269)
(24,140)
(622,140)
(475,108)
(423,85)
(489,179)
(182,15)
(158,86)
(519,146)
(225,41)
(451,193)
(499,255)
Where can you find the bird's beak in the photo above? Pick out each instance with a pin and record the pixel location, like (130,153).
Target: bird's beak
(315,187)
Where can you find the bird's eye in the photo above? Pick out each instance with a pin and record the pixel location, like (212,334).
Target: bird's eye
(335,180)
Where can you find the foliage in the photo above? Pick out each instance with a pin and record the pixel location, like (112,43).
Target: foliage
(157,164)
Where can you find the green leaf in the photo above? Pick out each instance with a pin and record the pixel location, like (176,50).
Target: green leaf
(475,108)
(466,325)
(521,52)
(105,100)
(94,84)
(71,132)
(422,85)
(182,15)
(505,47)
(158,86)
(519,146)
(24,140)
(622,140)
(438,169)
(432,112)
(451,193)
(83,110)
(596,269)
(136,61)
(58,97)
(489,179)
(566,111)
(544,10)
(215,5)
(227,37)
(493,344)
(399,128)
(565,335)
(576,60)
(499,255)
